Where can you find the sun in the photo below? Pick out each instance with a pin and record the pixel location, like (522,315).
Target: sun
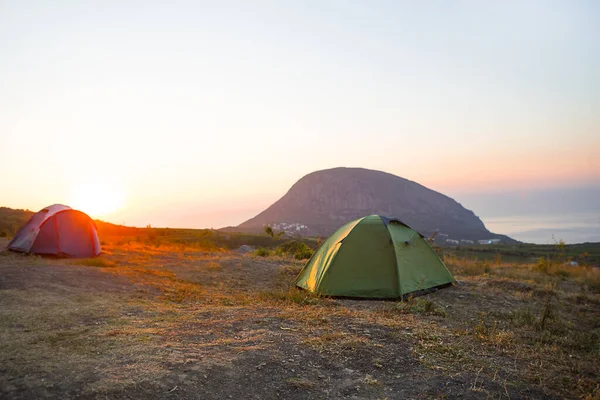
(97,198)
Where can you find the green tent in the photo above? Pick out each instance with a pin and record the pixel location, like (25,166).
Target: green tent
(374,257)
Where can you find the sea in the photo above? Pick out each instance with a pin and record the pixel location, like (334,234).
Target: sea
(548,229)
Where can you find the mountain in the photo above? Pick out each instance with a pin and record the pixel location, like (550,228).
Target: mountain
(322,201)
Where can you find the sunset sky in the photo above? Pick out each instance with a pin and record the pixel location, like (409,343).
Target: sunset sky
(200,114)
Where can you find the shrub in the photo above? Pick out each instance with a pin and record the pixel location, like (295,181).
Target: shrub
(299,250)
(269,231)
(304,253)
(262,252)
(544,265)
(290,247)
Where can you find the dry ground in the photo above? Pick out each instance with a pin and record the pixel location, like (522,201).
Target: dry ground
(175,322)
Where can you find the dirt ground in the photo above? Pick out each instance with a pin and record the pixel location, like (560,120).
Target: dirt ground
(166,323)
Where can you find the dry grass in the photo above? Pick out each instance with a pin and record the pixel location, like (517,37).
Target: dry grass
(68,336)
(158,247)
(143,320)
(421,305)
(335,342)
(525,312)
(99,262)
(300,383)
(542,271)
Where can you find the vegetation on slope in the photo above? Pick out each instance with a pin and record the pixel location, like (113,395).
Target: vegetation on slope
(11,220)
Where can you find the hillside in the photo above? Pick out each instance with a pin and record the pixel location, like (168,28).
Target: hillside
(11,220)
(324,200)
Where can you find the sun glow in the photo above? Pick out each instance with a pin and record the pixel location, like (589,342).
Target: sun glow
(97,198)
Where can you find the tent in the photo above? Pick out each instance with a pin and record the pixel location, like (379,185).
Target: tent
(58,230)
(374,257)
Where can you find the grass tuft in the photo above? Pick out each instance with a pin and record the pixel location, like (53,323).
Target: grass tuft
(292,296)
(369,380)
(95,262)
(300,383)
(420,305)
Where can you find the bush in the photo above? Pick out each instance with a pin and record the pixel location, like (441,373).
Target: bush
(262,252)
(290,247)
(543,265)
(299,250)
(304,253)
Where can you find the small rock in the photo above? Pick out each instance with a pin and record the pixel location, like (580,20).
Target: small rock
(245,249)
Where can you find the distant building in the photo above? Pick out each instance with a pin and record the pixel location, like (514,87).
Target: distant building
(289,229)
(466,241)
(572,263)
(489,241)
(452,241)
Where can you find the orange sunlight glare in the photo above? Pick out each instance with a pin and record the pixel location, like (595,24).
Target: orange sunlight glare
(97,198)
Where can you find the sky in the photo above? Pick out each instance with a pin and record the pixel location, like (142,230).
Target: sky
(202,114)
